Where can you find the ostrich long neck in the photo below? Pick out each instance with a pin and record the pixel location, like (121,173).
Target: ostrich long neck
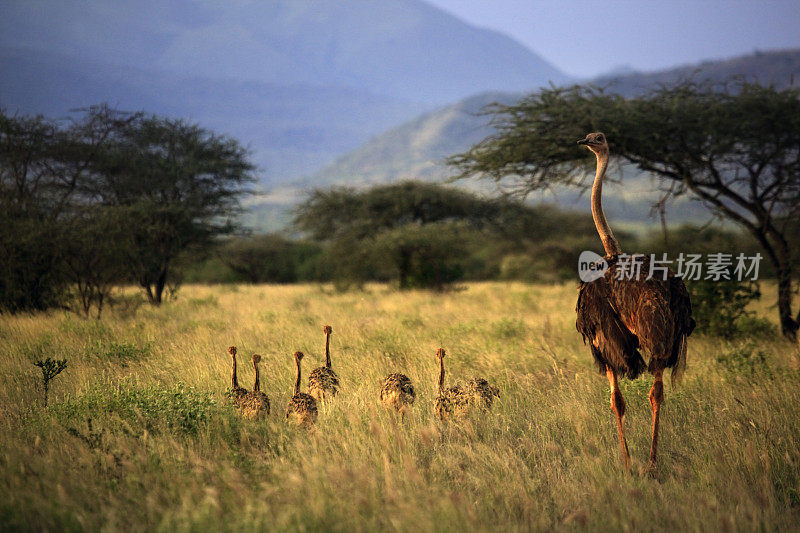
(257,384)
(297,381)
(441,375)
(234,381)
(606,235)
(328,350)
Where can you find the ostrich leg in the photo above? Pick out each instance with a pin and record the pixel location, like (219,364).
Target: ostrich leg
(618,406)
(656,397)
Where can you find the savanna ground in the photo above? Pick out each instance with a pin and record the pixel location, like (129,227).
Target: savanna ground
(163,451)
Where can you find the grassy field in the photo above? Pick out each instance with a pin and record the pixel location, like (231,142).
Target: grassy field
(163,451)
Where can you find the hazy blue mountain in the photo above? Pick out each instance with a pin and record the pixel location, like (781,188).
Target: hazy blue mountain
(291,129)
(418,148)
(300,81)
(402,48)
(779,68)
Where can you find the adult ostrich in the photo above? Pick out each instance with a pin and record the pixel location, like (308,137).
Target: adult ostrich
(624,315)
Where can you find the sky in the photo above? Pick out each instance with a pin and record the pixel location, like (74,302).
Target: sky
(586,38)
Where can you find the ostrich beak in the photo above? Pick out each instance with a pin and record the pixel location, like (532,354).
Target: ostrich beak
(583,141)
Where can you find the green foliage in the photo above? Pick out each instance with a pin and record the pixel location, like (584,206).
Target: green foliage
(427,256)
(31,277)
(342,212)
(271,259)
(733,146)
(107,196)
(427,235)
(50,369)
(176,185)
(745,360)
(756,327)
(409,231)
(124,352)
(96,248)
(152,407)
(719,306)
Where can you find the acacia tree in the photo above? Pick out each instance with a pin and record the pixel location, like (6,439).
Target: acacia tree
(386,221)
(173,185)
(735,147)
(41,163)
(96,244)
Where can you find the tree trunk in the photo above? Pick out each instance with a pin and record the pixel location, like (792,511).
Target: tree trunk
(404,266)
(789,325)
(161,282)
(100,304)
(149,291)
(779,256)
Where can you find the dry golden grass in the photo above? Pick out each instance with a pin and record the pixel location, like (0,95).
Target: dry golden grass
(165,452)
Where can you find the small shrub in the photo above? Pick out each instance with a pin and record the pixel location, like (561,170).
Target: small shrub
(718,306)
(123,352)
(509,328)
(176,408)
(744,360)
(50,369)
(755,326)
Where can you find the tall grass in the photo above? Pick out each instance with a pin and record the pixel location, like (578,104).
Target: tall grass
(138,435)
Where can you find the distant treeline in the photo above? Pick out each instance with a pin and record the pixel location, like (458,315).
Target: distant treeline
(419,235)
(110,198)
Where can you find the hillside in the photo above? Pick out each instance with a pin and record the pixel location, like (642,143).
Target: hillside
(299,82)
(779,68)
(291,129)
(406,49)
(418,148)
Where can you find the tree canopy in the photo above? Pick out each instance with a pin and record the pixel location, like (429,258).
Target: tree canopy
(179,185)
(735,147)
(424,234)
(149,187)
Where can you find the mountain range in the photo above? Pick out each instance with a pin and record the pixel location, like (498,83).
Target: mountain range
(418,148)
(300,82)
(323,92)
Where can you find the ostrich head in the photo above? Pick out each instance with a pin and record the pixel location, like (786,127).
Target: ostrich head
(256,358)
(327,330)
(232,351)
(440,353)
(596,142)
(298,356)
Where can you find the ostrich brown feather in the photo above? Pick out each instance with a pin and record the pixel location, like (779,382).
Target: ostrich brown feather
(627,317)
(302,407)
(397,392)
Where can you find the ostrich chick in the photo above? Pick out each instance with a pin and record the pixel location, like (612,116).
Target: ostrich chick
(323,381)
(397,392)
(255,403)
(450,402)
(236,393)
(302,407)
(481,393)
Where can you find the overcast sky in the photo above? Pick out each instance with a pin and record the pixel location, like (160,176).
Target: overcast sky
(585,38)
